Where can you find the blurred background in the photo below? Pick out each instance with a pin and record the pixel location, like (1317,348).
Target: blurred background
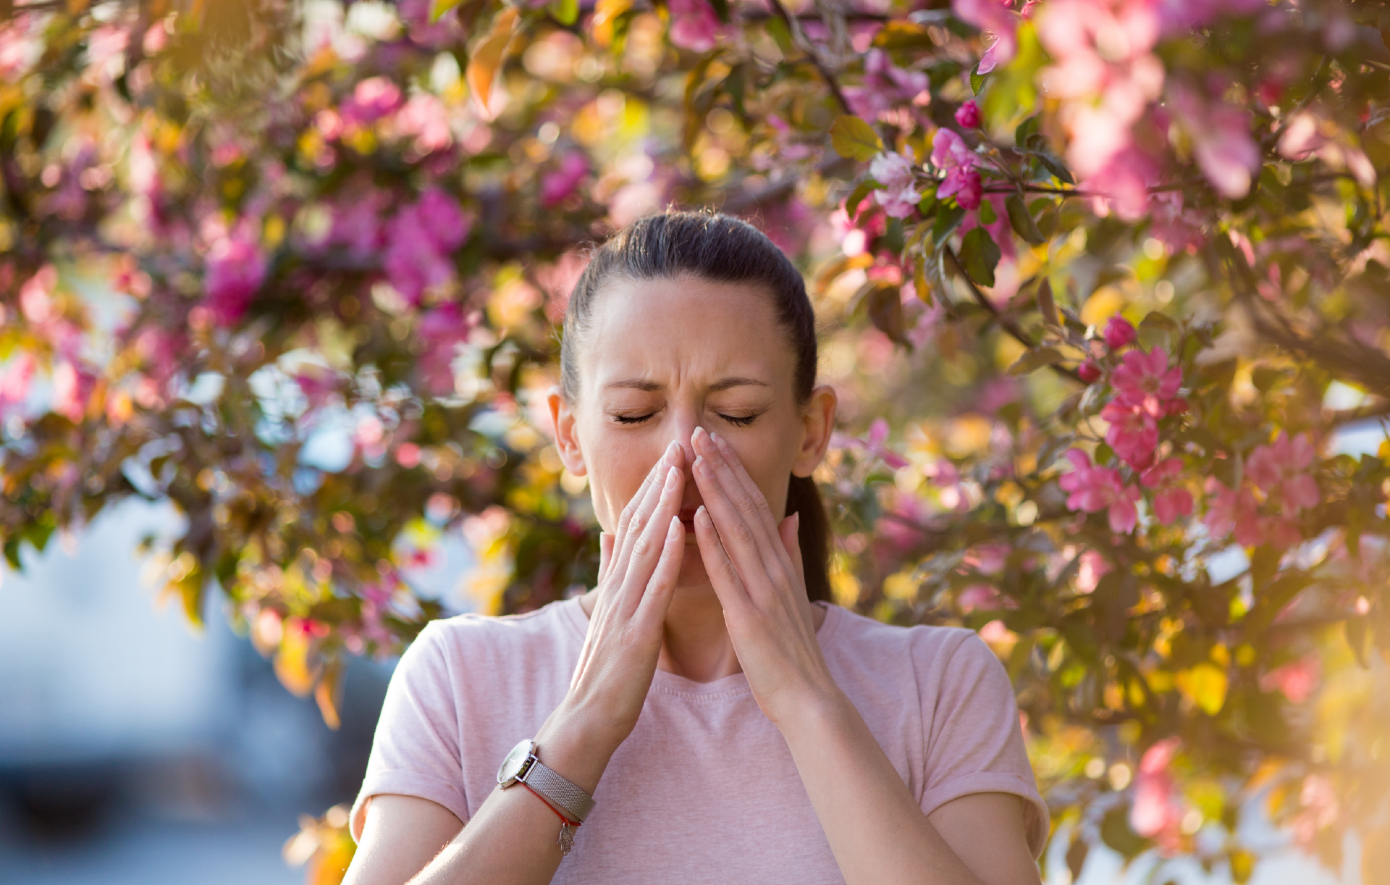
(135,749)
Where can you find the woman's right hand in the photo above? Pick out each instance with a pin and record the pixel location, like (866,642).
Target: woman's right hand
(638,566)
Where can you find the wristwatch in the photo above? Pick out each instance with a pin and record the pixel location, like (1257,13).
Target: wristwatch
(522,766)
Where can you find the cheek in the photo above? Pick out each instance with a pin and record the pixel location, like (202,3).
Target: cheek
(769,466)
(616,469)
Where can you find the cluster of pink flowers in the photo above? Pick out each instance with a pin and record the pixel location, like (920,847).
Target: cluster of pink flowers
(556,186)
(1281,471)
(873,443)
(950,154)
(235,270)
(1145,391)
(1093,488)
(420,238)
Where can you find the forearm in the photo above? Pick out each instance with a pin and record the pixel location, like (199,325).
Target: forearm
(514,837)
(876,830)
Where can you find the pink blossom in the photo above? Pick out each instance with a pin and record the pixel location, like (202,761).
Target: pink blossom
(425,117)
(1088,372)
(1157,811)
(987,559)
(968,115)
(556,186)
(415,14)
(993,17)
(885,86)
(374,98)
(1233,509)
(419,240)
(895,172)
(1092,568)
(694,25)
(441,331)
(357,222)
(15,380)
(72,388)
(1221,141)
(1143,380)
(1095,488)
(1172,500)
(1281,470)
(236,269)
(1296,679)
(1133,432)
(951,155)
(983,596)
(1118,332)
(874,443)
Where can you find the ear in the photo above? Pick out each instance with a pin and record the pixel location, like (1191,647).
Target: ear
(818,422)
(566,437)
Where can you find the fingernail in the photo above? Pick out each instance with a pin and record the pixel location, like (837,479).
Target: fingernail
(701,464)
(671,475)
(701,514)
(718,440)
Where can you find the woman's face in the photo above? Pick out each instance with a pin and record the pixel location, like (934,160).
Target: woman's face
(664,356)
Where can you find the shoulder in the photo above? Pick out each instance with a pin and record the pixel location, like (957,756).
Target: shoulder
(467,637)
(929,646)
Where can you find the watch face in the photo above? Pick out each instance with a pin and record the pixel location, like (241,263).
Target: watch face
(511,766)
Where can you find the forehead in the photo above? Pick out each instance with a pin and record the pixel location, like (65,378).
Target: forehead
(685,328)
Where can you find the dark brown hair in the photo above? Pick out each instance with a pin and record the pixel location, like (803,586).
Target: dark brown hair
(719,248)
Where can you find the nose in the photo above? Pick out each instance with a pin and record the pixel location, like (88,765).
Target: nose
(683,427)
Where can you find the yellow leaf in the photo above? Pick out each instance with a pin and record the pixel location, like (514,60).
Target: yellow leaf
(487,58)
(1205,686)
(292,661)
(854,138)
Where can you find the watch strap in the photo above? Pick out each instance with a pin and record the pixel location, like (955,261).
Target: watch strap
(556,789)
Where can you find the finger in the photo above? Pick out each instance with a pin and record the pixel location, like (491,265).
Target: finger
(646,547)
(726,454)
(638,513)
(790,532)
(635,502)
(739,541)
(728,586)
(651,610)
(747,497)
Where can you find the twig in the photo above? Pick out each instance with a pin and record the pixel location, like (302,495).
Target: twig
(1004,321)
(799,37)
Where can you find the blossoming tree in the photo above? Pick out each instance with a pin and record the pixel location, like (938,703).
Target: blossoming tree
(1105,290)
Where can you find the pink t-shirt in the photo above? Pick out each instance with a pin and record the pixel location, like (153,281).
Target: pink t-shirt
(704,789)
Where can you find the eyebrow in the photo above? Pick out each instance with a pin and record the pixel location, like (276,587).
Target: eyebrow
(652,386)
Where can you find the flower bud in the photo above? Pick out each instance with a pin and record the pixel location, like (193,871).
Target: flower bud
(968,115)
(1118,333)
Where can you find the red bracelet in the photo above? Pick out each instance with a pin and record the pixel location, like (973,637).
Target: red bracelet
(572,823)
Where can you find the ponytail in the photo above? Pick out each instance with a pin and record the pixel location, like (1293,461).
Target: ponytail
(813,534)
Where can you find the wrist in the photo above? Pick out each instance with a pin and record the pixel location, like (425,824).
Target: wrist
(812,711)
(576,746)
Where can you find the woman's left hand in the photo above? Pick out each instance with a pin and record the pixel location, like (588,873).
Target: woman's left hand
(754,563)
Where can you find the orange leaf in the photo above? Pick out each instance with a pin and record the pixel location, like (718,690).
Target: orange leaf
(487,58)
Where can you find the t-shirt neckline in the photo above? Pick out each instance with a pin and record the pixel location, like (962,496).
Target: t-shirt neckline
(673,684)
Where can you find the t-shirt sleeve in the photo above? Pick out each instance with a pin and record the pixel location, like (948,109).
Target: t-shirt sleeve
(975,742)
(415,751)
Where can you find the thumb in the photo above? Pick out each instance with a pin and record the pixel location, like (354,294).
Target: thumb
(788,530)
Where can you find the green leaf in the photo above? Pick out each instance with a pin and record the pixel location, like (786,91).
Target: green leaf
(987,213)
(780,35)
(1025,129)
(977,80)
(979,255)
(948,218)
(1156,320)
(1022,220)
(1035,359)
(566,12)
(885,306)
(1056,167)
(1116,833)
(439,7)
(1047,305)
(721,9)
(903,35)
(856,196)
(853,138)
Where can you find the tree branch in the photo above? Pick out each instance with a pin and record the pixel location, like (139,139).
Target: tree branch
(805,45)
(1005,322)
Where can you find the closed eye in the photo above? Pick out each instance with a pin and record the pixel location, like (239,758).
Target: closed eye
(736,420)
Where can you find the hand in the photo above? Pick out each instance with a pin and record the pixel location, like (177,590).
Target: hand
(754,564)
(638,567)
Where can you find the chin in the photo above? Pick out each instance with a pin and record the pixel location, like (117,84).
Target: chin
(692,573)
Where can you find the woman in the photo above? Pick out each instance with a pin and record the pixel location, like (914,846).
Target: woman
(729,724)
